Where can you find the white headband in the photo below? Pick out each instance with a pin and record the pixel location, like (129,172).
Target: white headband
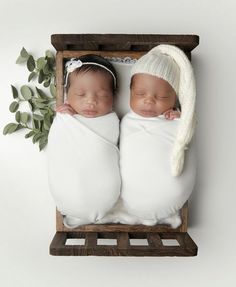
(74,63)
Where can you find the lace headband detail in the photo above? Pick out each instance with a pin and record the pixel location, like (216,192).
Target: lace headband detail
(74,63)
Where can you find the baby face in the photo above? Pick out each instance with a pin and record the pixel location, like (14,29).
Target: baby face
(151,96)
(90,94)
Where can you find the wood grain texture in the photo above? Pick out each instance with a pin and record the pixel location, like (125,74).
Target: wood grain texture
(121,42)
(186,247)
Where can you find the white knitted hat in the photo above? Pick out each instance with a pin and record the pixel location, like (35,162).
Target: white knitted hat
(158,64)
(171,64)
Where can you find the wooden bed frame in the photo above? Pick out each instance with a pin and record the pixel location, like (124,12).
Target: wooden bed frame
(119,45)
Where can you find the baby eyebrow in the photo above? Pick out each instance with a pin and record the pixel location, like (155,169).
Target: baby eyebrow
(140,91)
(167,96)
(79,92)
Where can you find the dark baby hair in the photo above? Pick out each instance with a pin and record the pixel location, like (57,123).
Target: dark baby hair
(94,68)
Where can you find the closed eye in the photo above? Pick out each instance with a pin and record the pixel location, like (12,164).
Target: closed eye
(139,94)
(163,98)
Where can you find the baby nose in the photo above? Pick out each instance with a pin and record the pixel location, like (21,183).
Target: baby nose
(149,100)
(91,99)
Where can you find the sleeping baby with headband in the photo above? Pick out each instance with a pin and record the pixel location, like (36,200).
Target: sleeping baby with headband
(83,158)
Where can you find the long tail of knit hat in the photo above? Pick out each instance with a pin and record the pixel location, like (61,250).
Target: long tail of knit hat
(186,93)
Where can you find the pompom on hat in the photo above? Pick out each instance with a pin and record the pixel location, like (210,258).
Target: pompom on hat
(171,64)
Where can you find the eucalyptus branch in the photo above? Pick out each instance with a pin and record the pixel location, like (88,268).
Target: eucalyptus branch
(41,103)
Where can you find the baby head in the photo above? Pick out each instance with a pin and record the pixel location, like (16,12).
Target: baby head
(154,84)
(90,85)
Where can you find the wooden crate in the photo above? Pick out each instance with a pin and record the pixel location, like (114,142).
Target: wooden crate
(118,45)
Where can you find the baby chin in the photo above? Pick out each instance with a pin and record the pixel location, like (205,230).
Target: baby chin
(90,113)
(147,113)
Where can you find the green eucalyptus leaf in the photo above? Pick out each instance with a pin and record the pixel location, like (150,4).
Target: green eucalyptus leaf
(31,63)
(37,117)
(51,111)
(37,136)
(26,92)
(19,127)
(31,105)
(14,92)
(43,142)
(24,118)
(21,60)
(43,111)
(39,105)
(53,90)
(17,116)
(35,125)
(41,62)
(41,125)
(40,100)
(14,107)
(10,128)
(51,63)
(30,134)
(46,69)
(24,53)
(31,76)
(49,54)
(46,127)
(47,122)
(41,77)
(41,93)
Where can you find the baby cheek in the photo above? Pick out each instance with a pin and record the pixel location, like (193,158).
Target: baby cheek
(108,102)
(77,103)
(108,106)
(135,101)
(140,102)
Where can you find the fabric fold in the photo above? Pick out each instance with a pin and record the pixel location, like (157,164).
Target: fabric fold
(149,191)
(83,166)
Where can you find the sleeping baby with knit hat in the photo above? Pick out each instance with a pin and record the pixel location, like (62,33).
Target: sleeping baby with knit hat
(157,170)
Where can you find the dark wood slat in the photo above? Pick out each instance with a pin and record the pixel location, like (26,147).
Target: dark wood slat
(121,42)
(181,240)
(184,217)
(121,228)
(190,245)
(91,240)
(123,240)
(59,79)
(58,241)
(154,240)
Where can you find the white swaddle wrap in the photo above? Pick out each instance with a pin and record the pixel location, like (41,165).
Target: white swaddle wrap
(149,190)
(83,166)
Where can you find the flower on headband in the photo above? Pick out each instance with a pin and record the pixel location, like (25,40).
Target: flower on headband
(73,64)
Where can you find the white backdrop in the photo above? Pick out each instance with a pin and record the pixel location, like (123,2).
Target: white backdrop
(26,207)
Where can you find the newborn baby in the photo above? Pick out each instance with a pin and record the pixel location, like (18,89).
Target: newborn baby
(83,157)
(154,136)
